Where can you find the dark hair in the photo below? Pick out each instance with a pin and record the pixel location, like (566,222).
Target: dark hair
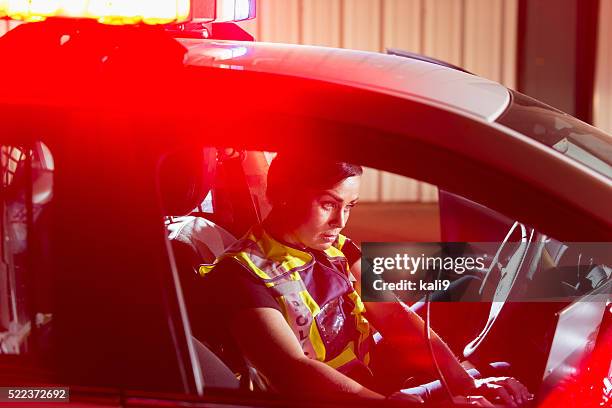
(291,174)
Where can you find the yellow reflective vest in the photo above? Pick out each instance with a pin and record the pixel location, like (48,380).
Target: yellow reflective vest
(278,266)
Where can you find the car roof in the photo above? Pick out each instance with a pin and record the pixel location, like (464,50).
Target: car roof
(408,78)
(138,52)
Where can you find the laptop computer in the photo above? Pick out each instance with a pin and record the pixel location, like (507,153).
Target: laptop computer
(575,337)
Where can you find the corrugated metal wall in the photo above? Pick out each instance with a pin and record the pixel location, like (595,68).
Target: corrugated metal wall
(479,35)
(6,25)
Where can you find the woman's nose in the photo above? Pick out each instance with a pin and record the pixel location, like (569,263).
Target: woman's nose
(338,219)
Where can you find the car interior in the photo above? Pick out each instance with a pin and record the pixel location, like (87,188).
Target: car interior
(233,199)
(210,197)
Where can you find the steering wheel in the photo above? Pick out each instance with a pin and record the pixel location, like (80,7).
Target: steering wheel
(522,260)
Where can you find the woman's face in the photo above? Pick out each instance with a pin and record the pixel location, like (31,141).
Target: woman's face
(325,214)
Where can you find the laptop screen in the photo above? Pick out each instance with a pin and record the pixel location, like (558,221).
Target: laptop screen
(575,337)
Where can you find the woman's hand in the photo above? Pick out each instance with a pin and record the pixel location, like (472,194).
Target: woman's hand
(405,397)
(476,401)
(506,389)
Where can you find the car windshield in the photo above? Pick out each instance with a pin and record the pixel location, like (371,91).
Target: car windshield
(564,133)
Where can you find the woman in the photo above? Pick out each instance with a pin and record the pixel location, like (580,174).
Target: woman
(289,298)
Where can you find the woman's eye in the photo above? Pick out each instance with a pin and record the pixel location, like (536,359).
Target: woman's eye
(349,207)
(328,205)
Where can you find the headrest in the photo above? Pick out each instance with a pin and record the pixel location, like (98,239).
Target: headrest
(185,178)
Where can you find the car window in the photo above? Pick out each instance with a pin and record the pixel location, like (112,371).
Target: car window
(61,322)
(560,131)
(397,209)
(26,303)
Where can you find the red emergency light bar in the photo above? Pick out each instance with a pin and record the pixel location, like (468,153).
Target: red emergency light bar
(127,12)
